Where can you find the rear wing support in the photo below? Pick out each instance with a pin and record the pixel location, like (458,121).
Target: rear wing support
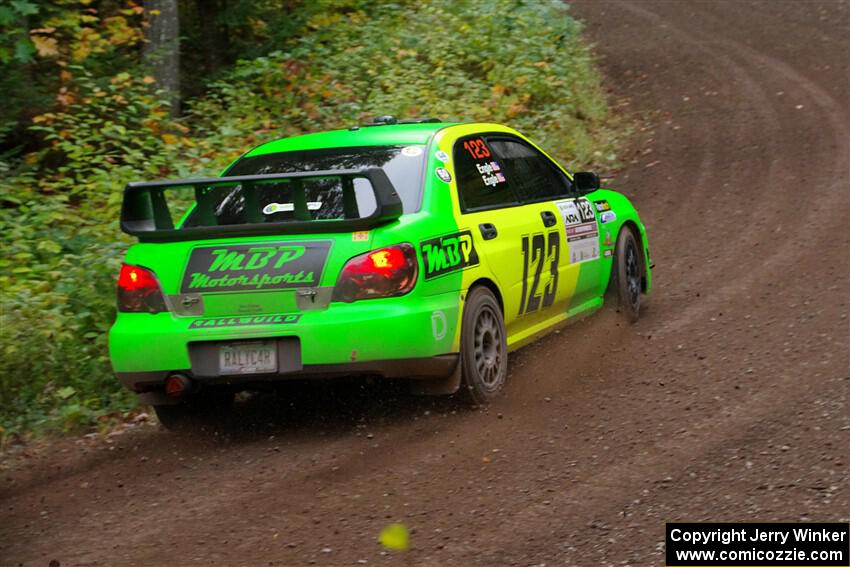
(145,213)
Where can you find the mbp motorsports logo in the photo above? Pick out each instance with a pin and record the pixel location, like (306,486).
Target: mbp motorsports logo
(448,253)
(270,265)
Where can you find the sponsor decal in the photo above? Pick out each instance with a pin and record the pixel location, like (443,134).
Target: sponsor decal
(251,321)
(582,232)
(448,253)
(602,206)
(411,151)
(439,325)
(360,236)
(250,267)
(608,240)
(607,216)
(442,156)
(608,253)
(443,174)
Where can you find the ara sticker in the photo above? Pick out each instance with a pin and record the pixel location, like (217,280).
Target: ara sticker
(442,156)
(608,240)
(411,151)
(607,216)
(580,226)
(443,174)
(602,206)
(360,236)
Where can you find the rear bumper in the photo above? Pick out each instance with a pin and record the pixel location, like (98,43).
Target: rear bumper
(434,367)
(395,337)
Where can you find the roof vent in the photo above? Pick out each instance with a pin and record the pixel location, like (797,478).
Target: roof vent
(384,120)
(388,120)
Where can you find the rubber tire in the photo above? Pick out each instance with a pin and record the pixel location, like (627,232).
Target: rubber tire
(474,389)
(627,278)
(203,409)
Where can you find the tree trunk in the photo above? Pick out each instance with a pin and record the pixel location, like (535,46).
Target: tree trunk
(162,49)
(213,33)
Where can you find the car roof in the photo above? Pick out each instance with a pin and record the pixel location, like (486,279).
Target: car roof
(358,136)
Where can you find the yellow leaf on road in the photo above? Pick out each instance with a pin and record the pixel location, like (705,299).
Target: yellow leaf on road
(395,537)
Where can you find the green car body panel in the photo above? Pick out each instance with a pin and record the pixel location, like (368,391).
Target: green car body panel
(215,293)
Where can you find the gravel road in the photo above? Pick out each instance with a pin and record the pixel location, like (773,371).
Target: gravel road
(728,401)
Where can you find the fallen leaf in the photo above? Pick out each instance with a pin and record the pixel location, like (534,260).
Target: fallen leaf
(395,537)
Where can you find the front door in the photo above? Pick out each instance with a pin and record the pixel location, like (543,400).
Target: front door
(550,278)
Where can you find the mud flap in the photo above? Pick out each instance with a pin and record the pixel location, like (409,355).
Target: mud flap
(437,386)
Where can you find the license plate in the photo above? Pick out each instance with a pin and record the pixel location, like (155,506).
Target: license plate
(248,358)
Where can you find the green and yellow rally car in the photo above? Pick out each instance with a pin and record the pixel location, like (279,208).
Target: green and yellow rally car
(420,250)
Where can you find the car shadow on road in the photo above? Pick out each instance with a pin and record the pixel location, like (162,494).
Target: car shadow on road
(304,408)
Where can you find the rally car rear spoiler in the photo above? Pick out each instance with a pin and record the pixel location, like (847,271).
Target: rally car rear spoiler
(145,212)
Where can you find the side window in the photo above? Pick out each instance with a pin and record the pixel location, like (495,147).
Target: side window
(533,176)
(481,181)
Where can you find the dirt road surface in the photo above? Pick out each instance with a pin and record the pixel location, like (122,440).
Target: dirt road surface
(728,401)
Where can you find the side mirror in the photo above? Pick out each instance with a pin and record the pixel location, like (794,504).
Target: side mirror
(585,182)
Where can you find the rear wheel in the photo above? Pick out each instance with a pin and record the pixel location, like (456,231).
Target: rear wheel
(627,274)
(204,408)
(483,349)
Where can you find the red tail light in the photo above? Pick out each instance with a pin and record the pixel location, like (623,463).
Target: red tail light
(386,272)
(138,291)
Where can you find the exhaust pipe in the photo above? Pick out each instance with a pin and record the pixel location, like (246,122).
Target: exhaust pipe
(176,385)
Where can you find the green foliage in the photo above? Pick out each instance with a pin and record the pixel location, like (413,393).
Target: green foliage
(510,61)
(39,41)
(14,42)
(341,62)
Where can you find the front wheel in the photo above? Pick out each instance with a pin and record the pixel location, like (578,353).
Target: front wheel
(627,274)
(483,349)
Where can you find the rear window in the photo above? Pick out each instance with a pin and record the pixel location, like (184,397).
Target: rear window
(325,198)
(481,180)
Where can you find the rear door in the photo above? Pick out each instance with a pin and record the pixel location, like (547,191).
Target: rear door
(497,220)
